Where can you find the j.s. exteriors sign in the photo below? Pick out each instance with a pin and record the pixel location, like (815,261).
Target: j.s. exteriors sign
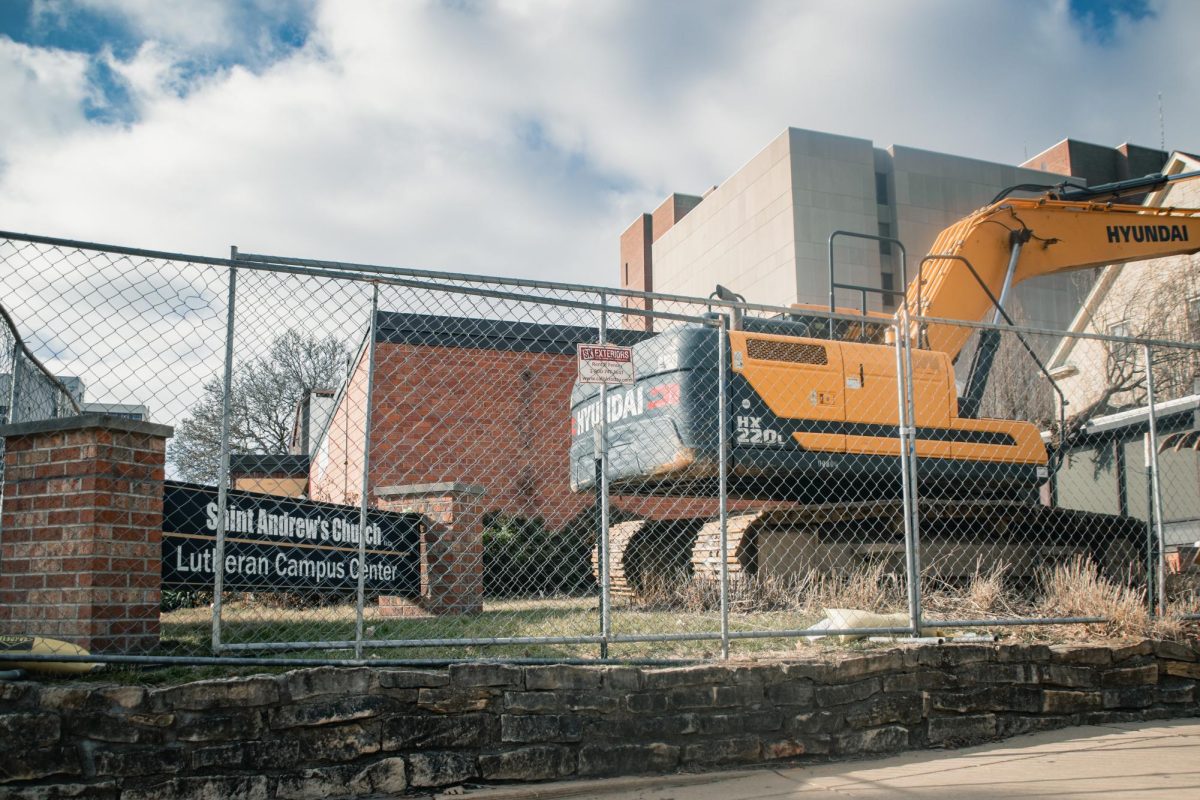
(603,363)
(278,543)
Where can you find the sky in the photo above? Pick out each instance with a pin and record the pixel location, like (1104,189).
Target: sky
(520,137)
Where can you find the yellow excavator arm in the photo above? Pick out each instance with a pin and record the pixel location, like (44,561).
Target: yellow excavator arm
(1016,239)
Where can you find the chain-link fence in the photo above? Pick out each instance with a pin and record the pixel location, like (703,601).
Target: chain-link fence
(395,464)
(28,391)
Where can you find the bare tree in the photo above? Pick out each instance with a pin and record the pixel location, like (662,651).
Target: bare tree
(265,391)
(1147,305)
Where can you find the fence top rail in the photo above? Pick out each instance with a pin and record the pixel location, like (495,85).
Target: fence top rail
(37,362)
(369,272)
(465,277)
(365,271)
(606,291)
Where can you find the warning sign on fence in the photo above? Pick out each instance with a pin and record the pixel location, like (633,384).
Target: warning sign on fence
(603,363)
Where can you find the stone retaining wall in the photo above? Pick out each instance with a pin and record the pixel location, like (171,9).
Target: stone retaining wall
(326,732)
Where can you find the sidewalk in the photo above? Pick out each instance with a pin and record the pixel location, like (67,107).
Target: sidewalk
(1119,762)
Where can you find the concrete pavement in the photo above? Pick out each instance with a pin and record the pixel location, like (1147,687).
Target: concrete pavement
(1120,762)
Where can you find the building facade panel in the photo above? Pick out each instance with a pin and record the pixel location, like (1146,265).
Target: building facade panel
(780,208)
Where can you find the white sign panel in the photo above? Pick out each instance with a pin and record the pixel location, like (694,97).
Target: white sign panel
(603,363)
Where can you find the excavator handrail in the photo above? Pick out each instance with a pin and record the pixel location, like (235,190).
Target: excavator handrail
(834,285)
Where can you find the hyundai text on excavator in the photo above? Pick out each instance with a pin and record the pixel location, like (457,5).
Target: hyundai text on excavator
(812,403)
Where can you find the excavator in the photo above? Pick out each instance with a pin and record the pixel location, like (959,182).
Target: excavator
(813,409)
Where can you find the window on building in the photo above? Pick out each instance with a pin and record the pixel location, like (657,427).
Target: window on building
(885,248)
(1123,356)
(881,188)
(887,282)
(626,281)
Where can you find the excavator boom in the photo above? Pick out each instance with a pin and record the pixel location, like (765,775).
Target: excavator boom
(1016,239)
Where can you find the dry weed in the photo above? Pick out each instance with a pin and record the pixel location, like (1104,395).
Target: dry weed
(1077,588)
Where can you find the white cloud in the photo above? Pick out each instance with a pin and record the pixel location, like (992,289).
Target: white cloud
(516,138)
(522,137)
(42,92)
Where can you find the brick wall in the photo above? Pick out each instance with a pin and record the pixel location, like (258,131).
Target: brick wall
(492,418)
(451,548)
(335,473)
(81,531)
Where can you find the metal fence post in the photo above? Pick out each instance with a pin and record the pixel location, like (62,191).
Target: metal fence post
(723,479)
(911,565)
(223,467)
(360,599)
(602,460)
(12,382)
(1157,564)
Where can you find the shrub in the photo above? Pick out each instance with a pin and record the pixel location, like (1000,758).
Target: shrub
(522,558)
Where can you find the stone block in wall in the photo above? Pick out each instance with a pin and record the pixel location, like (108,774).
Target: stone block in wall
(625,759)
(326,711)
(455,700)
(1088,655)
(887,739)
(214,787)
(538,728)
(334,744)
(1130,676)
(836,695)
(960,730)
(1129,697)
(728,750)
(559,677)
(474,675)
(775,749)
(1068,702)
(218,693)
(883,709)
(1176,651)
(320,783)
(1173,690)
(1064,675)
(792,693)
(419,732)
(534,763)
(434,768)
(1180,669)
(306,683)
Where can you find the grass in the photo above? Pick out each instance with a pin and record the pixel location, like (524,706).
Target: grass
(676,605)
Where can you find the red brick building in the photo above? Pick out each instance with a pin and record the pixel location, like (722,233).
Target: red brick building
(468,401)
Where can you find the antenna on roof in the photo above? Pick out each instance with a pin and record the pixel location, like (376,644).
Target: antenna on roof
(1162,128)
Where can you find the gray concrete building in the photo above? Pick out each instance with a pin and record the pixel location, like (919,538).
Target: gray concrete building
(764,231)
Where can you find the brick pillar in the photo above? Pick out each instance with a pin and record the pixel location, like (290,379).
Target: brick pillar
(81,531)
(451,548)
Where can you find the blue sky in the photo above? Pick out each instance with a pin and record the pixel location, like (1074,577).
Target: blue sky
(254,35)
(521,136)
(1100,18)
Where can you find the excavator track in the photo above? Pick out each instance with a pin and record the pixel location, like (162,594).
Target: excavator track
(958,539)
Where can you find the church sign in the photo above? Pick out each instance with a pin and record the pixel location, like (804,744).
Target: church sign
(277,543)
